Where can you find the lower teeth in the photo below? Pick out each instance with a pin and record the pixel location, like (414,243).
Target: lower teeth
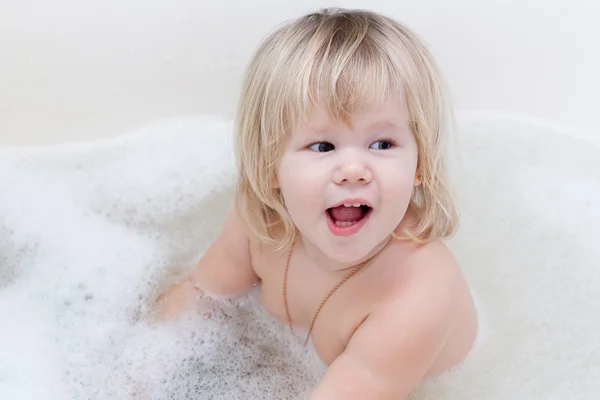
(345,223)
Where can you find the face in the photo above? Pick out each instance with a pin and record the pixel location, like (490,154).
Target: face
(347,189)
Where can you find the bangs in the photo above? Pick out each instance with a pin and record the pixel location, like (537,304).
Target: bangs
(342,74)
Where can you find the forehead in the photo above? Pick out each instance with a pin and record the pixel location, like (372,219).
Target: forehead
(392,113)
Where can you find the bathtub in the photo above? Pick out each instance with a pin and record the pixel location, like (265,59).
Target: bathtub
(116,170)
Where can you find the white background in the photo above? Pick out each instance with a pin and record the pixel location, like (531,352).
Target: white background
(73,70)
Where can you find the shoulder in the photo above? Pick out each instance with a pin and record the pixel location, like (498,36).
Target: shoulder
(429,269)
(430,279)
(428,275)
(434,264)
(425,298)
(264,254)
(400,340)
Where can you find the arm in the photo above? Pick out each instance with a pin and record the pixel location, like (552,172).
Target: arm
(224,270)
(226,267)
(393,349)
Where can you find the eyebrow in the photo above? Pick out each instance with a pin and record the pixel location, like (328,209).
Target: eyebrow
(385,124)
(379,124)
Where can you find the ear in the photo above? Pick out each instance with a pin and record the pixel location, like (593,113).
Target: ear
(418,179)
(275,181)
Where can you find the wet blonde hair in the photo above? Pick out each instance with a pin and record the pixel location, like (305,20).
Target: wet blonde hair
(340,59)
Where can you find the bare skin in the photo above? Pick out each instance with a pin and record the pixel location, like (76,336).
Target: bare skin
(406,316)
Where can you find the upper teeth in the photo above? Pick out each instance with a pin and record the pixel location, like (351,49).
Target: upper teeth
(353,204)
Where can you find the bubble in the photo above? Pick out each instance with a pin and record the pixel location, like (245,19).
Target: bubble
(90,235)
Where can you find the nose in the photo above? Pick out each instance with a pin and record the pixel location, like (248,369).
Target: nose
(352,171)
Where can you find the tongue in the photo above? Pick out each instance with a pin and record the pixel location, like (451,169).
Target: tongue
(346,214)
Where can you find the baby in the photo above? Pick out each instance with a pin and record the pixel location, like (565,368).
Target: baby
(341,205)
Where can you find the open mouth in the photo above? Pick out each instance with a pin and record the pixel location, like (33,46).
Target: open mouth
(347,215)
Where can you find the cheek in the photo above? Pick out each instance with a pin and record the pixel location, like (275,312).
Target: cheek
(301,184)
(399,180)
(402,169)
(402,190)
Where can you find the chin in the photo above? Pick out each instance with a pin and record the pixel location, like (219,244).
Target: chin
(348,252)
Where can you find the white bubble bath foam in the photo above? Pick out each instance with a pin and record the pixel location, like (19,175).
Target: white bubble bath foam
(91,233)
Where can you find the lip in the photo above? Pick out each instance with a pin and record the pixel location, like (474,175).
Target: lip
(347,230)
(352,201)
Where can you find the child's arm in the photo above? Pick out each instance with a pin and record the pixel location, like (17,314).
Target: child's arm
(393,349)
(224,270)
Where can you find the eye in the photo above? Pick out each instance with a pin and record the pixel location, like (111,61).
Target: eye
(322,147)
(382,145)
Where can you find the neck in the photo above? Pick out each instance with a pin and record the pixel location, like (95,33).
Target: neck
(330,265)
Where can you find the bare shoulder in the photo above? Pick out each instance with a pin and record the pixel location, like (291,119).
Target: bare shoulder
(431,281)
(402,339)
(434,266)
(226,267)
(432,298)
(265,254)
(234,237)
(424,274)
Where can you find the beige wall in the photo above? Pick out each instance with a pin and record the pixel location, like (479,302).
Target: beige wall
(75,70)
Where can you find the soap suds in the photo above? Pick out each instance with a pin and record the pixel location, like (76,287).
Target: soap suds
(91,233)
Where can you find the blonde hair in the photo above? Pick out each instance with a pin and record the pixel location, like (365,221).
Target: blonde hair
(339,59)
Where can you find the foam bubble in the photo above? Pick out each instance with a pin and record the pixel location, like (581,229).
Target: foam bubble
(91,233)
